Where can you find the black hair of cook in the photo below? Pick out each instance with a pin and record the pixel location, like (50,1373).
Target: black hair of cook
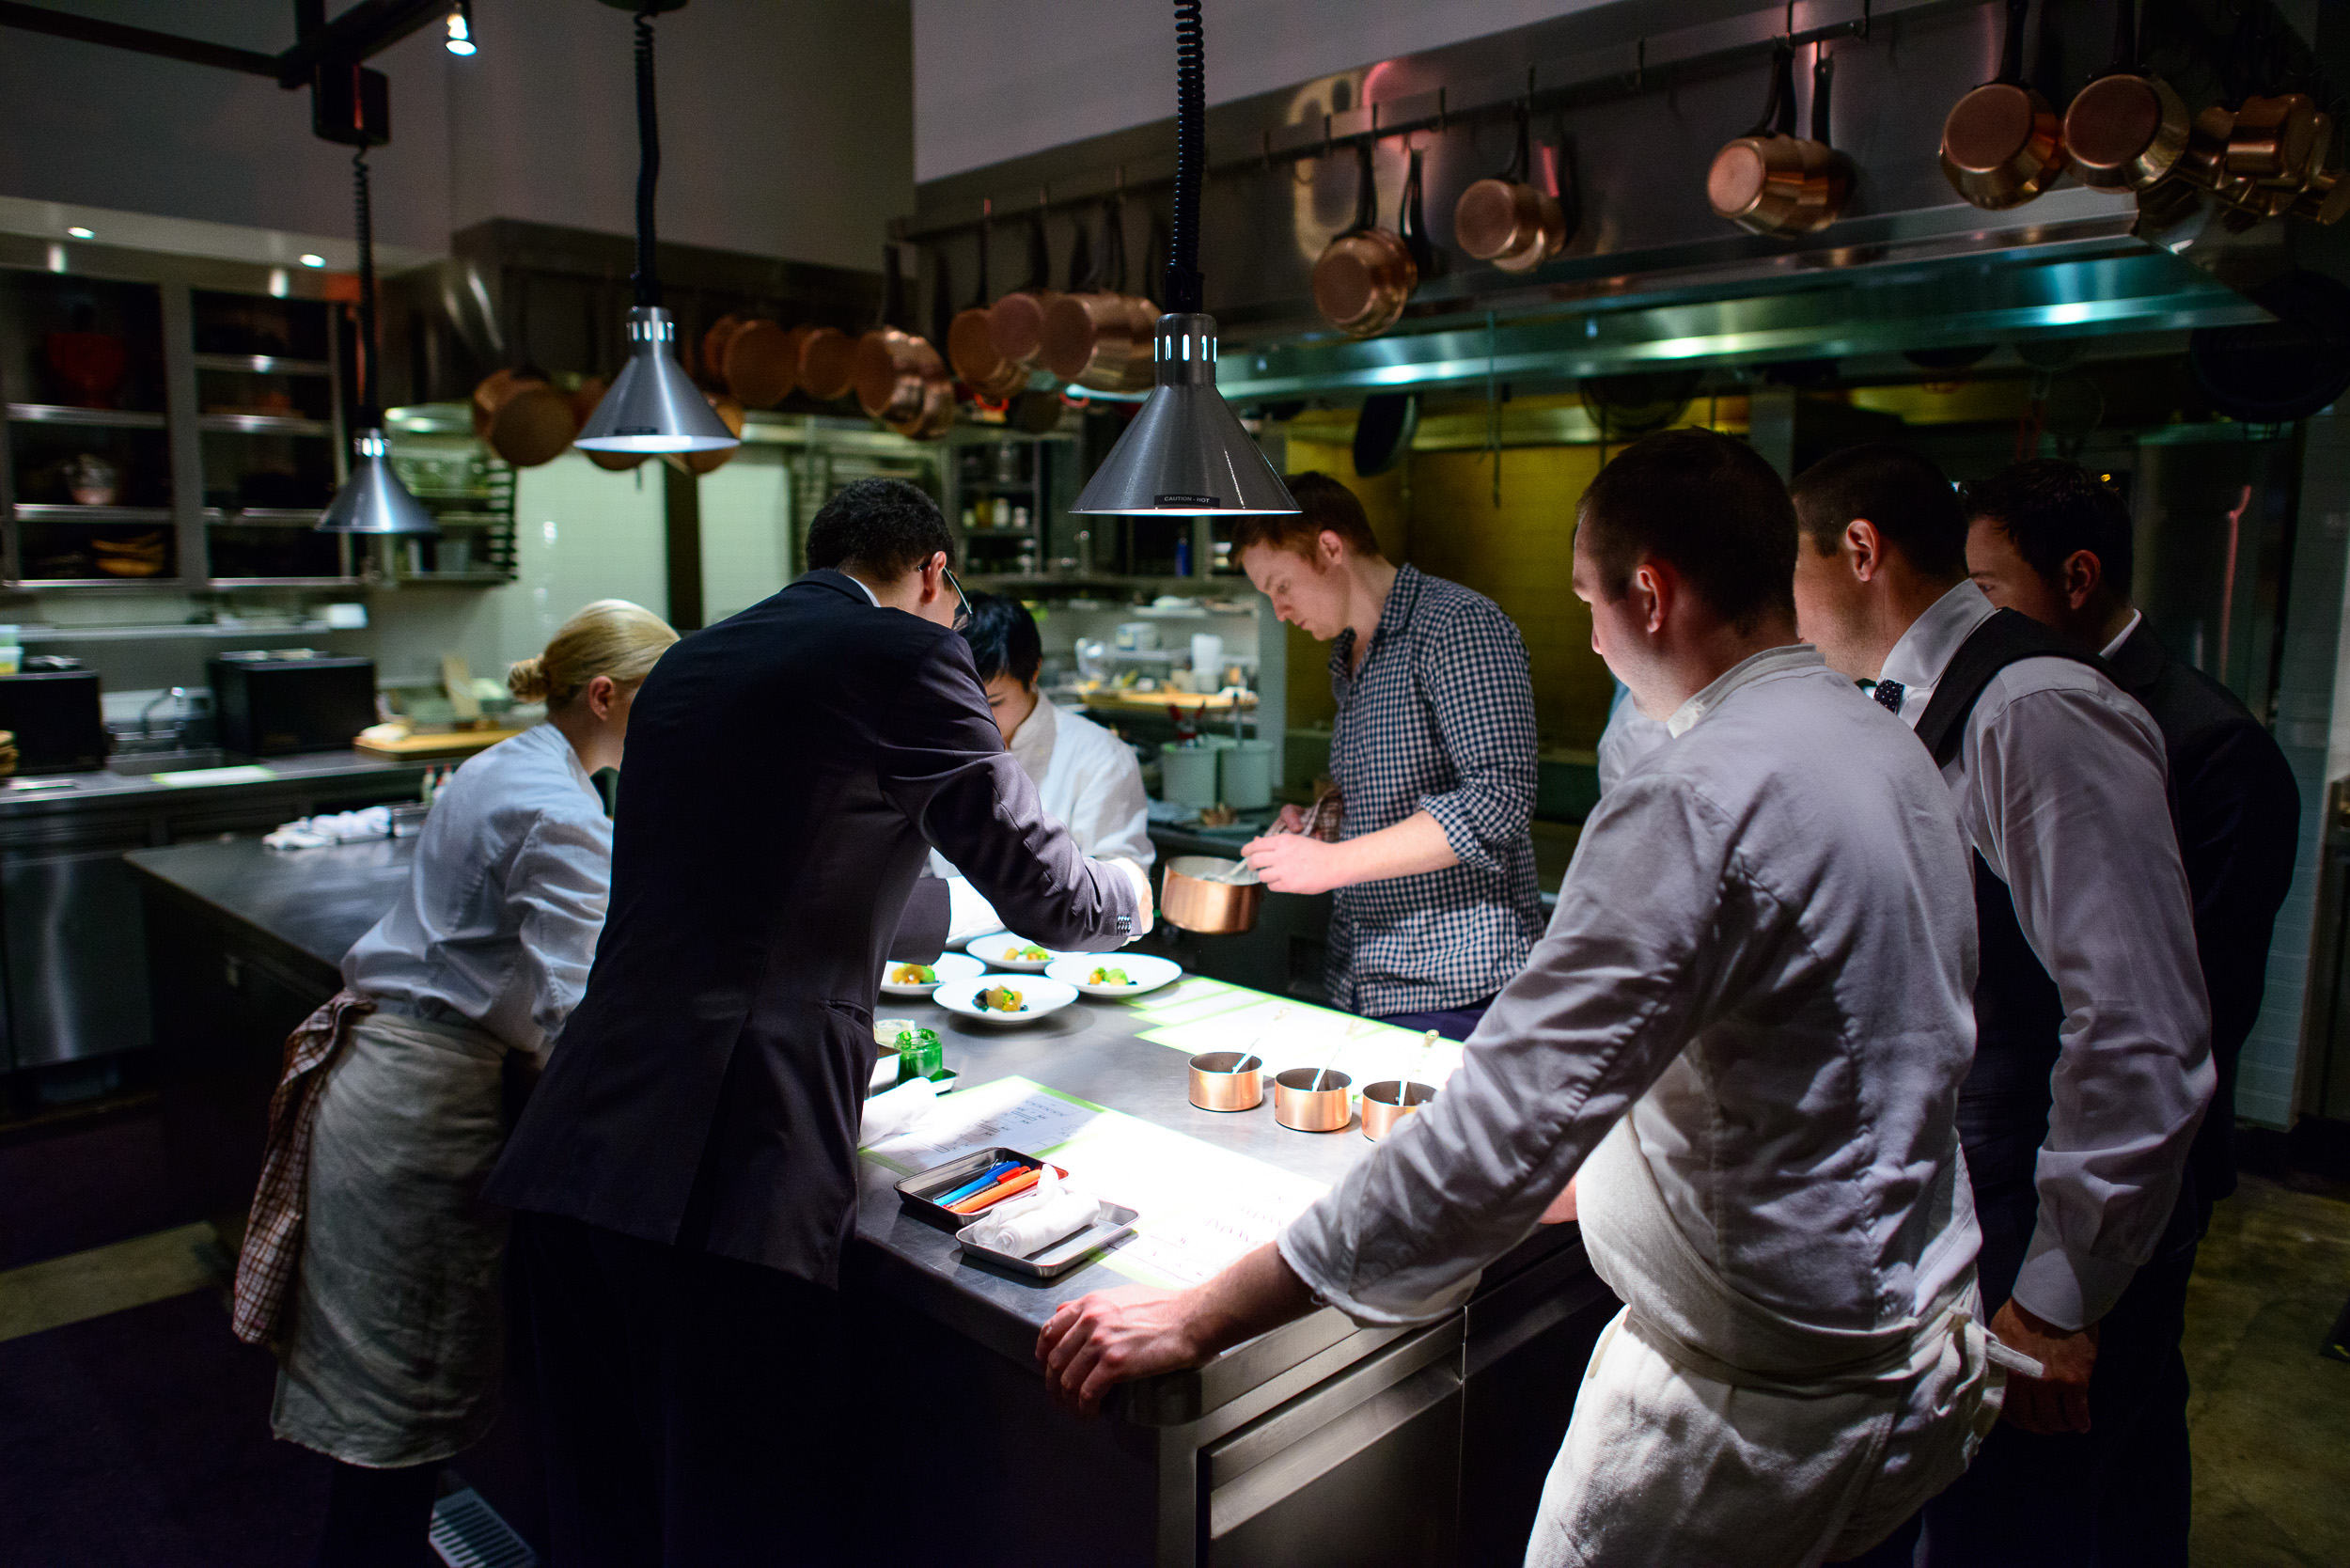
(1708,506)
(1902,492)
(2052,510)
(878,530)
(1003,638)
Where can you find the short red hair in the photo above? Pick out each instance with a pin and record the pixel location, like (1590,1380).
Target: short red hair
(1323,506)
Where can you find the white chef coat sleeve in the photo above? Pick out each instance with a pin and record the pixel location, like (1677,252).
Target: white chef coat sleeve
(2070,781)
(1112,814)
(1647,926)
(560,882)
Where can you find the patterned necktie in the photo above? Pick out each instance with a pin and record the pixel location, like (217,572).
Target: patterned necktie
(1888,693)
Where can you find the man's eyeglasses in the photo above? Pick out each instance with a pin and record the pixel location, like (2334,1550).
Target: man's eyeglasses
(963,602)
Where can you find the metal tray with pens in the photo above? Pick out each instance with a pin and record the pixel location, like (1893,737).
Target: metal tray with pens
(917,1192)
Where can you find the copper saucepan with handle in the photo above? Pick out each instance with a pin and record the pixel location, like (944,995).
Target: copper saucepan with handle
(1772,182)
(1508,219)
(1015,323)
(762,362)
(1366,272)
(2002,144)
(971,347)
(2126,130)
(1214,897)
(896,369)
(1094,335)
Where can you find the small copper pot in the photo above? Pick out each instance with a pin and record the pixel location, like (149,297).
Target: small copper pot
(1228,1081)
(1366,274)
(827,364)
(729,411)
(1771,181)
(1312,1100)
(2274,140)
(715,343)
(762,362)
(523,418)
(2002,144)
(2124,132)
(1386,1102)
(1195,895)
(893,371)
(1508,220)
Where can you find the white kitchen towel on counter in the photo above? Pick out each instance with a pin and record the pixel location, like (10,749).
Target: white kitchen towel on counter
(895,1111)
(332,827)
(1054,1211)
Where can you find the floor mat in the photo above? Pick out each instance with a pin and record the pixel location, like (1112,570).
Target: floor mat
(64,1192)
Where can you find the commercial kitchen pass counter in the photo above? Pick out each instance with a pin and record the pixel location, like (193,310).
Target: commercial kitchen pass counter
(1319,1443)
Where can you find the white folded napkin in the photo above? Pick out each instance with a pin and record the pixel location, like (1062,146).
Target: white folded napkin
(332,827)
(1053,1210)
(890,1114)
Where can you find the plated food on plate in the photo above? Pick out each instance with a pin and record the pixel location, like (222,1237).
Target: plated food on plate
(920,979)
(1113,975)
(1003,951)
(1005,999)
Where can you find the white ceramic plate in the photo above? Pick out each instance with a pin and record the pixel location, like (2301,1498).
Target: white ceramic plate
(1042,994)
(1146,970)
(994,951)
(951,966)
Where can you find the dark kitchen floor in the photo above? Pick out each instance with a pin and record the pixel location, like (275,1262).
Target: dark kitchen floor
(135,1428)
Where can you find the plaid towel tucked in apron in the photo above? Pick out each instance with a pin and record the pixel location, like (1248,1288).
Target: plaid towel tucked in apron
(272,1233)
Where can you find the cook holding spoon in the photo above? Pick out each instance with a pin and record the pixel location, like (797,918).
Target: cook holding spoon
(1432,753)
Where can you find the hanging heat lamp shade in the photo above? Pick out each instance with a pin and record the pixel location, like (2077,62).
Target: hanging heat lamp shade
(1185,453)
(653,405)
(371,500)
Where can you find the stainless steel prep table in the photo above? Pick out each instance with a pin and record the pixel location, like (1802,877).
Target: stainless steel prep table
(1316,1444)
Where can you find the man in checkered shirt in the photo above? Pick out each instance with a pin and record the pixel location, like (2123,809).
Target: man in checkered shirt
(1432,754)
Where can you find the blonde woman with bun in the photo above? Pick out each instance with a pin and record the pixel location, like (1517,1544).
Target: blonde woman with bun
(390,1332)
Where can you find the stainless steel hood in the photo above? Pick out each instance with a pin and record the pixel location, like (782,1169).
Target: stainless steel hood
(1627,114)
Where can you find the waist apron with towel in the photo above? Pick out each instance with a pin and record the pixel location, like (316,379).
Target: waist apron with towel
(370,1264)
(1712,1432)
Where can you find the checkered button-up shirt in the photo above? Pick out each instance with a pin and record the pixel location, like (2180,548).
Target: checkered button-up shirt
(1439,718)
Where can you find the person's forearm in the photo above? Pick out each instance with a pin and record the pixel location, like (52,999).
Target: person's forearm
(1255,1295)
(1412,846)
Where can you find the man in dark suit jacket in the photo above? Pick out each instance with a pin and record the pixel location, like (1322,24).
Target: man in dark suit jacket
(2046,538)
(686,1172)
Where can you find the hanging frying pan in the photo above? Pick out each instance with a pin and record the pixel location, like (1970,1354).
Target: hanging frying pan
(2003,145)
(1366,272)
(897,370)
(1015,323)
(1384,430)
(1506,219)
(2278,371)
(2126,130)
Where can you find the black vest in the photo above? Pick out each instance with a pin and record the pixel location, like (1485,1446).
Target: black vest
(2003,1106)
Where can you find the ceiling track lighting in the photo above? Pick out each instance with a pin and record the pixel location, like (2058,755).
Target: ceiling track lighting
(460,40)
(654,406)
(372,500)
(1185,453)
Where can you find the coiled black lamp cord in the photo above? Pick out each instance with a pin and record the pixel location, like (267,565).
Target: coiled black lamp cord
(1184,292)
(364,382)
(648,163)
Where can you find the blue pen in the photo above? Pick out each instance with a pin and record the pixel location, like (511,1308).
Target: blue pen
(995,1174)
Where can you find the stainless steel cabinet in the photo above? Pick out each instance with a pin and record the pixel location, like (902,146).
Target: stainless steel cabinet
(75,946)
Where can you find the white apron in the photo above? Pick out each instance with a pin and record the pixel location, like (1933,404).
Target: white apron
(1712,1432)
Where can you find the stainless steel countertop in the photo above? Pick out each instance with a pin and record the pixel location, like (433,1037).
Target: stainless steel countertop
(319,901)
(106,788)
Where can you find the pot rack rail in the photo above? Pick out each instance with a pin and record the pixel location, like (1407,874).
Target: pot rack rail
(1546,85)
(362,32)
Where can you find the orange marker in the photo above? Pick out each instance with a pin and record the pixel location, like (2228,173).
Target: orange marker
(998,1193)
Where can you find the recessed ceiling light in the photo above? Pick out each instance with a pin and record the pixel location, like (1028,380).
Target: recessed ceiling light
(78,232)
(310,261)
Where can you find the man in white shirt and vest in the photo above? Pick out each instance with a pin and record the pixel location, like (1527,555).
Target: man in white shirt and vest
(2092,1064)
(1745,1027)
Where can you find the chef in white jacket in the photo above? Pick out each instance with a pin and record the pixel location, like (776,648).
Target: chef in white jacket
(1087,776)
(1745,1028)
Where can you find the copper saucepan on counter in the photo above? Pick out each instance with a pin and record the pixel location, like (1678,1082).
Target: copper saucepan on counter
(1210,896)
(2002,144)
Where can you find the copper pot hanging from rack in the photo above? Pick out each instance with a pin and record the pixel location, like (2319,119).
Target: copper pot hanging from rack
(1096,336)
(1506,219)
(1366,274)
(762,362)
(1772,182)
(2002,144)
(900,380)
(2127,130)
(522,418)
(1015,323)
(971,347)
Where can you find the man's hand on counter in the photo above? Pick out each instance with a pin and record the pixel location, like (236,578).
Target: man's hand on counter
(1090,1346)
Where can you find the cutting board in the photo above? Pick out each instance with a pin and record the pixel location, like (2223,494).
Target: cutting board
(450,743)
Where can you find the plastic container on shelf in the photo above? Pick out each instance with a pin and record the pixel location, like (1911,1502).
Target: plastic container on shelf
(1246,771)
(1187,775)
